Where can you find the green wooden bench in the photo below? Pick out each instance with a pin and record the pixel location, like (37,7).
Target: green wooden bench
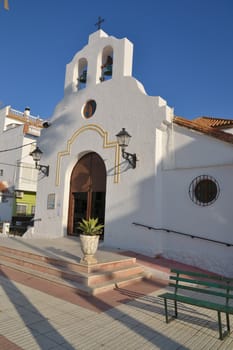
(195,288)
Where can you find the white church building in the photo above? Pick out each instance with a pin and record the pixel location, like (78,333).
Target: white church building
(169,193)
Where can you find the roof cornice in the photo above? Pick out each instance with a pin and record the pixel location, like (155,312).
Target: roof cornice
(207,130)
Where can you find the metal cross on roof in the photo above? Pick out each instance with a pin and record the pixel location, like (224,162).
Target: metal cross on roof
(98,24)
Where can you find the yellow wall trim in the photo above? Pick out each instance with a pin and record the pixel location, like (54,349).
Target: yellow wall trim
(106,144)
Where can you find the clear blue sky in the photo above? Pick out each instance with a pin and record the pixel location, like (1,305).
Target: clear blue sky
(183,50)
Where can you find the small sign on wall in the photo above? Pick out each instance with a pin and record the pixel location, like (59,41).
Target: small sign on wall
(51,201)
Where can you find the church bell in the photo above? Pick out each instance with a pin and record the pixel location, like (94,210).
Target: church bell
(83,77)
(107,70)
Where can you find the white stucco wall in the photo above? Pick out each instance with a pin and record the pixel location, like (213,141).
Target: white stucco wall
(195,155)
(111,116)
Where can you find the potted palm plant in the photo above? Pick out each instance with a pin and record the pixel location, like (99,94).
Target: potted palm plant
(89,238)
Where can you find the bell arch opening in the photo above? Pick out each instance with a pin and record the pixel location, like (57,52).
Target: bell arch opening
(107,63)
(82,73)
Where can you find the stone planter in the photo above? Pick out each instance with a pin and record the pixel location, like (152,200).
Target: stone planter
(89,246)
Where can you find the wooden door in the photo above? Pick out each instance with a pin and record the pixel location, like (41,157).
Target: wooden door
(87,191)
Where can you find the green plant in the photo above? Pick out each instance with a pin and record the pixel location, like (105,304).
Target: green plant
(90,227)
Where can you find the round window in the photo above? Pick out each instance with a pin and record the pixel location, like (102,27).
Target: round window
(204,190)
(89,109)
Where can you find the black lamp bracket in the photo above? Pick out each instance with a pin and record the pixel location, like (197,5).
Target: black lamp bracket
(43,168)
(130,157)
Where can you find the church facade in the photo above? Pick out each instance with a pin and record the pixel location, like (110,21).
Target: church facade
(168,193)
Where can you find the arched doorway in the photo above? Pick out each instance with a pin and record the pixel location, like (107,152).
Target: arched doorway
(87,191)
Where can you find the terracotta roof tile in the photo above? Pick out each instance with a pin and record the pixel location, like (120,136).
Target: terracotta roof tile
(220,123)
(203,128)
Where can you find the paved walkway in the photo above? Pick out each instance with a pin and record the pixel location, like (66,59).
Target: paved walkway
(127,318)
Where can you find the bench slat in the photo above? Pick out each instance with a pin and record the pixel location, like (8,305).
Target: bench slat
(201,282)
(202,275)
(197,302)
(202,290)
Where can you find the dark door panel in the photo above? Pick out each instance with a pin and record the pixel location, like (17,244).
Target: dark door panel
(87,191)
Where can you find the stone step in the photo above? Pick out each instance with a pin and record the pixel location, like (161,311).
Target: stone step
(123,273)
(78,287)
(42,266)
(64,272)
(71,266)
(84,279)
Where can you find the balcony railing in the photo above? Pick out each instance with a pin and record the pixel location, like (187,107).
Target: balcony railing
(36,121)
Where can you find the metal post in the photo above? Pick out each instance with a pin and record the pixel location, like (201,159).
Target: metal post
(220,325)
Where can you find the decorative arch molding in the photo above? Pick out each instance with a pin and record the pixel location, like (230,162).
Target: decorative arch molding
(106,144)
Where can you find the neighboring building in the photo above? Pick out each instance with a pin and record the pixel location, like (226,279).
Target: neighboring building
(18,177)
(182,183)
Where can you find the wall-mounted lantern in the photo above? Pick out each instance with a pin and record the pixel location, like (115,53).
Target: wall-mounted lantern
(36,155)
(123,138)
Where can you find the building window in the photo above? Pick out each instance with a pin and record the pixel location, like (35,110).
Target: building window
(1,172)
(33,209)
(21,209)
(204,190)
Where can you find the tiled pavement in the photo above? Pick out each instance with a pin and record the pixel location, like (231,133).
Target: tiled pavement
(128,318)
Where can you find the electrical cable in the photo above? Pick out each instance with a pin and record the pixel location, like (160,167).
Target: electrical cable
(17,165)
(12,149)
